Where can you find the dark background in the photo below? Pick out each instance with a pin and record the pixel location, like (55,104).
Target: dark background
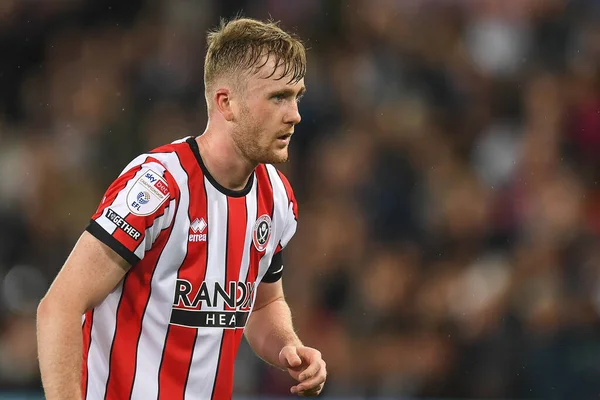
(447,170)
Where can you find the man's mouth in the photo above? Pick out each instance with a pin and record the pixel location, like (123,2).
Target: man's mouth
(285,136)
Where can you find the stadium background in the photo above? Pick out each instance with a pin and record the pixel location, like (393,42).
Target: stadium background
(447,170)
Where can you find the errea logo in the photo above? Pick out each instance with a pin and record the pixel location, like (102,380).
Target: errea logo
(196,229)
(198,225)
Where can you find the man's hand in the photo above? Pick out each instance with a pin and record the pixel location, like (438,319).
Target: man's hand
(307,367)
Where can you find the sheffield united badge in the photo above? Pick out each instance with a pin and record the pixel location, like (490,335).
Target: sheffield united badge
(262,232)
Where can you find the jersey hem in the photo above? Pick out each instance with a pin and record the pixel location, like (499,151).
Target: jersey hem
(276,265)
(99,233)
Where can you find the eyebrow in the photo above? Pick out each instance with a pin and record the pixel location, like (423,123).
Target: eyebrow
(290,92)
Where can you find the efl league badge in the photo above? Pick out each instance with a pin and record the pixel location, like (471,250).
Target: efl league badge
(147,193)
(262,232)
(143,197)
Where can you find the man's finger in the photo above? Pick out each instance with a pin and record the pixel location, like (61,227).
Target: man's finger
(311,384)
(312,392)
(312,370)
(291,357)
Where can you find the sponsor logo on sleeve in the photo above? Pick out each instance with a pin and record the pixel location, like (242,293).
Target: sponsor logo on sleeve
(122,224)
(147,194)
(162,187)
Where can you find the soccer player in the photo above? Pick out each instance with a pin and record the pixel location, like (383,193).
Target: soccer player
(185,252)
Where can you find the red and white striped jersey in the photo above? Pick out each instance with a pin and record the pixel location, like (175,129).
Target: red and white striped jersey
(172,327)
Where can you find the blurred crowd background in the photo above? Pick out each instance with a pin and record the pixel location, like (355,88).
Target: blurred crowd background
(447,168)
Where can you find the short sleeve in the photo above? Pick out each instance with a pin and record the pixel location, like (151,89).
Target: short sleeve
(275,271)
(136,207)
(292,222)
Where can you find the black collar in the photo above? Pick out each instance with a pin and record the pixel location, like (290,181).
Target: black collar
(228,192)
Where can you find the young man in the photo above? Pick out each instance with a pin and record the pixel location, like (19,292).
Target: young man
(184,254)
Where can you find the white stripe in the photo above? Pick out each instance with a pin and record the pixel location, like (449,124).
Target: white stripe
(107,224)
(284,207)
(103,330)
(217,239)
(251,210)
(134,163)
(291,227)
(280,201)
(157,227)
(156,319)
(206,350)
(181,140)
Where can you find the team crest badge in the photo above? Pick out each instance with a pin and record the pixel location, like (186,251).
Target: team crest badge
(262,232)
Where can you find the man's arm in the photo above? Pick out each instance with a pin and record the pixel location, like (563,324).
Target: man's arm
(90,273)
(270,328)
(271,335)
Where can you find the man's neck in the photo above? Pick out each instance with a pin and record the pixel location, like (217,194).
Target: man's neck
(224,161)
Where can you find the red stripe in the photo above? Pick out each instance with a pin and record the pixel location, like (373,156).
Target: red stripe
(264,206)
(135,297)
(140,223)
(180,341)
(236,237)
(127,240)
(154,160)
(87,342)
(290,193)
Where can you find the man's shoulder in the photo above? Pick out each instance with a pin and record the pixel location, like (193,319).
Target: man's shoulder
(273,172)
(163,160)
(167,155)
(170,148)
(279,180)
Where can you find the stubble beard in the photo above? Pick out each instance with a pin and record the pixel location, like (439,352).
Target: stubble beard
(247,139)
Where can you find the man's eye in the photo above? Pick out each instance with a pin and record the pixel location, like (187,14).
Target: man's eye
(279,97)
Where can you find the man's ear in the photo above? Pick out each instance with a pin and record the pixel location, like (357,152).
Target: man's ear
(223,103)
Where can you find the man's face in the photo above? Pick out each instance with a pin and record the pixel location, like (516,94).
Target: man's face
(266,114)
